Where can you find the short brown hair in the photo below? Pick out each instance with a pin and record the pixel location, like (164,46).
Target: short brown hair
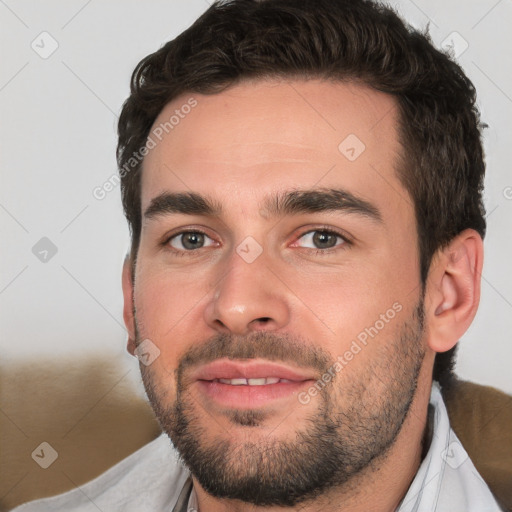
(440,132)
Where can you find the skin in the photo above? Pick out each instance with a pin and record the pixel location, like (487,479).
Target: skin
(239,147)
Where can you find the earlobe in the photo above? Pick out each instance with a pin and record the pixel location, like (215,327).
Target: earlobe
(453,290)
(129,320)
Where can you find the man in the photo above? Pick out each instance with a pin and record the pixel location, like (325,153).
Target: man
(303,186)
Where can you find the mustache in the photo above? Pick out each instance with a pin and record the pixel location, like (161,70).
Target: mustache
(274,347)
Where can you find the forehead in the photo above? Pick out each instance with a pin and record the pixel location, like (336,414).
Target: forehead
(258,138)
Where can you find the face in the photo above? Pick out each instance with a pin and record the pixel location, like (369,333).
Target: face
(278,277)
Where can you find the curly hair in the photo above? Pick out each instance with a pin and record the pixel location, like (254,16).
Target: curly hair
(442,166)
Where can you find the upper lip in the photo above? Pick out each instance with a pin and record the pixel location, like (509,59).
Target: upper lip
(253,369)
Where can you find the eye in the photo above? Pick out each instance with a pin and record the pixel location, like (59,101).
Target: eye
(190,240)
(320,239)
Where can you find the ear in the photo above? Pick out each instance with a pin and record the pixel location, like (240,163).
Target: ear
(129,320)
(453,290)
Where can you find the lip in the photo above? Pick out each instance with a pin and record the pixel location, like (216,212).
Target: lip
(253,369)
(206,381)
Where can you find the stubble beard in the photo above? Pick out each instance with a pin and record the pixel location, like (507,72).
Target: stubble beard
(331,446)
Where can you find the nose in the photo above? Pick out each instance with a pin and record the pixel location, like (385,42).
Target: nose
(248,297)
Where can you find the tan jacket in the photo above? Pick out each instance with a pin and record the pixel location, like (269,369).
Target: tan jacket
(481,416)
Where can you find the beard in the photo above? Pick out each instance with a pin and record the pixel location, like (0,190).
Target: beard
(356,420)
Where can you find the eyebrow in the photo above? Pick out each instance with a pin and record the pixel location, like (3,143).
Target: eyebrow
(292,202)
(321,200)
(188,203)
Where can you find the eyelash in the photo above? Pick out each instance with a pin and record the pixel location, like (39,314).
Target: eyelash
(346,241)
(177,252)
(325,252)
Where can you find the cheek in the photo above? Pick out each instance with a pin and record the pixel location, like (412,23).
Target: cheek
(364,301)
(169,309)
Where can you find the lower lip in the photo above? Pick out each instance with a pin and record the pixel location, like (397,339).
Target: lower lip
(249,397)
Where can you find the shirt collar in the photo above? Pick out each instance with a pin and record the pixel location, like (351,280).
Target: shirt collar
(446,480)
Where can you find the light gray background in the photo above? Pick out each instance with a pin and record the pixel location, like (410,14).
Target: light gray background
(58,121)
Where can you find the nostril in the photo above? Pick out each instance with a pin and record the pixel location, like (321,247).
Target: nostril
(263,320)
(220,324)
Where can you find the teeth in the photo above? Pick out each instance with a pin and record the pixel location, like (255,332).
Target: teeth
(252,382)
(238,382)
(256,382)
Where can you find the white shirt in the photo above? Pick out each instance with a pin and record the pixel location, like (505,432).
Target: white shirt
(152,479)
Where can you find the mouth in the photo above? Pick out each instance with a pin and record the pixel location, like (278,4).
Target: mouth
(258,381)
(249,384)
